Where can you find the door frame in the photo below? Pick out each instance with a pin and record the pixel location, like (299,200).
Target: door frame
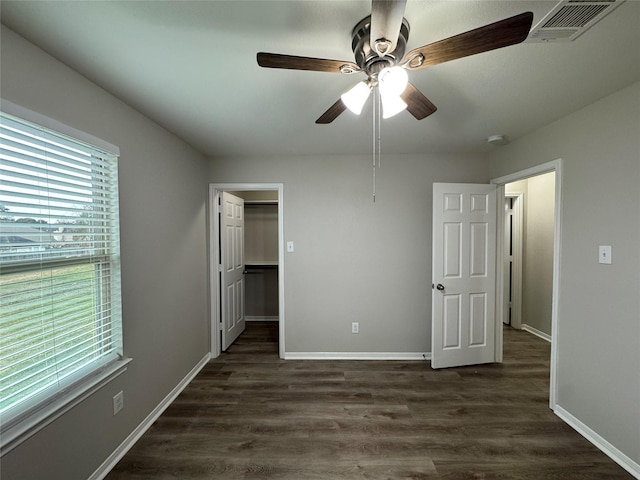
(517,215)
(553,166)
(215,189)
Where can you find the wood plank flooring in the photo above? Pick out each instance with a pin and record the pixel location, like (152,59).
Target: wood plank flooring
(250,415)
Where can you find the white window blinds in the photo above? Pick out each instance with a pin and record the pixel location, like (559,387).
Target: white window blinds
(59,265)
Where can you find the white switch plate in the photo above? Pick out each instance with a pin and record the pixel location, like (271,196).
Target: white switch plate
(355,327)
(290,247)
(604,254)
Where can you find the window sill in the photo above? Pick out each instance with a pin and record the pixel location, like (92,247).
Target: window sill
(42,417)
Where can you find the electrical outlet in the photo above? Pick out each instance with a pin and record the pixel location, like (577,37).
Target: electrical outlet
(118,402)
(355,327)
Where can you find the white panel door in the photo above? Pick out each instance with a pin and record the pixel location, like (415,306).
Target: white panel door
(464,257)
(231,268)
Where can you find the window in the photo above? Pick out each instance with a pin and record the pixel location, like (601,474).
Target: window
(60,322)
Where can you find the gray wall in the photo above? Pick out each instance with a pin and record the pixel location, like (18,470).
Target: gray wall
(356,260)
(164,262)
(537,245)
(598,307)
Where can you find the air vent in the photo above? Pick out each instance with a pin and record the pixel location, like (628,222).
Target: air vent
(570,19)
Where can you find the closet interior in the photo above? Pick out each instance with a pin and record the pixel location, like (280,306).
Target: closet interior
(261,254)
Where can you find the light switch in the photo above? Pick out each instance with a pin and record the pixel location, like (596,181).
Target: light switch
(290,247)
(604,254)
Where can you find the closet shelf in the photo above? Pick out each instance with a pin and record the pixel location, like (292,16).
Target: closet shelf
(261,263)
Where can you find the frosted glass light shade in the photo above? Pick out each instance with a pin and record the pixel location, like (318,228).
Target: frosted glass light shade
(392,81)
(355,98)
(392,105)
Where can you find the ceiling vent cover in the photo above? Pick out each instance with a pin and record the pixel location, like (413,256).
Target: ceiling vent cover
(570,19)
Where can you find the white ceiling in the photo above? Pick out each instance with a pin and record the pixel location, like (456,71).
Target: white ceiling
(191,67)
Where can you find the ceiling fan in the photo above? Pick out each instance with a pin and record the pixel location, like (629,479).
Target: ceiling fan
(378,43)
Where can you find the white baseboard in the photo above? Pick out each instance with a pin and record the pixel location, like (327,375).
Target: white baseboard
(536,332)
(249,318)
(135,435)
(612,452)
(357,356)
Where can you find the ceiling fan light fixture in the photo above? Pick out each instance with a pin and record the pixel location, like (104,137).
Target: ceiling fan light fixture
(379,58)
(392,81)
(355,98)
(392,105)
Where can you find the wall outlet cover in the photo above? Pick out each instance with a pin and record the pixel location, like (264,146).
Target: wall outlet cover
(118,402)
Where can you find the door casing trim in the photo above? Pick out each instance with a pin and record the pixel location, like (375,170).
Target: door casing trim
(517,234)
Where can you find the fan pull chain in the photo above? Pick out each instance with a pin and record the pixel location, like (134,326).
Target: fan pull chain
(379,128)
(376,134)
(373,146)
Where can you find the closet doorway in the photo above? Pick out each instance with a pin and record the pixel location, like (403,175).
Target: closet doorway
(261,296)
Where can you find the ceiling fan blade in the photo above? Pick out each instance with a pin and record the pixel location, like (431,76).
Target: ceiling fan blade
(332,113)
(417,104)
(291,62)
(490,37)
(386,20)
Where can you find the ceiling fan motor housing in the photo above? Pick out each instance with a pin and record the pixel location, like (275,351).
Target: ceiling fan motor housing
(366,57)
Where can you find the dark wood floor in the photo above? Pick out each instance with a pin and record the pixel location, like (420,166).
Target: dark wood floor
(250,415)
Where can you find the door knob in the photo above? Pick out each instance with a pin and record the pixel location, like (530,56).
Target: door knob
(440,287)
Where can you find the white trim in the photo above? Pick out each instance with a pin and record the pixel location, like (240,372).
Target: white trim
(251,318)
(404,356)
(500,278)
(214,300)
(547,167)
(103,470)
(555,165)
(35,422)
(215,189)
(42,120)
(517,238)
(607,448)
(536,332)
(556,284)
